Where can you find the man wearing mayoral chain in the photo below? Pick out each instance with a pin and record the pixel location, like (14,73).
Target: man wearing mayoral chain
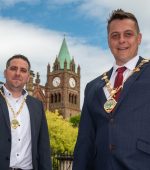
(114,131)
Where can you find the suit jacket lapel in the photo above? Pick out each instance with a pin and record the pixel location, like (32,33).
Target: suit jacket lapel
(129,83)
(100,92)
(4,108)
(32,114)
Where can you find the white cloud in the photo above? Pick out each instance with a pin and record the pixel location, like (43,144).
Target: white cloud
(41,47)
(101,8)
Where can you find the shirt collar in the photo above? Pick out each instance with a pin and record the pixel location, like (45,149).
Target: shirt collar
(130,65)
(8,93)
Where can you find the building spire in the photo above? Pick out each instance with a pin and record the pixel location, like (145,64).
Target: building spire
(64,55)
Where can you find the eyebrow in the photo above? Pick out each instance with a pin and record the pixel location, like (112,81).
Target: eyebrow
(16,67)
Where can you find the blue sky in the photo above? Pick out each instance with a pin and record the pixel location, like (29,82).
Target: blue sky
(36,29)
(64,17)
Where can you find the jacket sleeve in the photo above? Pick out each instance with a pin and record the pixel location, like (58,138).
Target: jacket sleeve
(85,150)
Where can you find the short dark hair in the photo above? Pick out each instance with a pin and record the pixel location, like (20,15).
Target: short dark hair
(18,56)
(121,14)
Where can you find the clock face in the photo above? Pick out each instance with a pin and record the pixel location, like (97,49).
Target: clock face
(72,82)
(56,82)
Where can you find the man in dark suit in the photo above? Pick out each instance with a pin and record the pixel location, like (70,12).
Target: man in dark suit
(114,131)
(24,140)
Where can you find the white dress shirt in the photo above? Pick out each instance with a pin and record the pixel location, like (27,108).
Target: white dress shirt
(21,154)
(130,65)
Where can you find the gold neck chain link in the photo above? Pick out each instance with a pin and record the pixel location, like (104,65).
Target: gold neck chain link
(111,102)
(14,123)
(112,91)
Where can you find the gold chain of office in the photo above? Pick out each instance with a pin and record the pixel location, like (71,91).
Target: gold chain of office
(14,122)
(111,102)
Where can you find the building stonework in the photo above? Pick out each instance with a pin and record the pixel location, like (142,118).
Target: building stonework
(62,89)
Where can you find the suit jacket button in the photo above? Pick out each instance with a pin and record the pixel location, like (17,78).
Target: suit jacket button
(7,158)
(112,120)
(112,147)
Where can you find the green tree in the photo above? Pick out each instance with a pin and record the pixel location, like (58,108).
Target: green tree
(62,135)
(74,120)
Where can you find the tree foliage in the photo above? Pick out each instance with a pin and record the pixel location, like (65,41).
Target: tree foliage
(62,134)
(74,120)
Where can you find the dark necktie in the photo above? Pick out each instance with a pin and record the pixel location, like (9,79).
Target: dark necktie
(119,81)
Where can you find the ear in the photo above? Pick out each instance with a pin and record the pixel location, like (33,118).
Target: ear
(139,38)
(28,78)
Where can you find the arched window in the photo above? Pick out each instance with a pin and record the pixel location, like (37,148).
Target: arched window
(75,100)
(55,97)
(52,98)
(59,97)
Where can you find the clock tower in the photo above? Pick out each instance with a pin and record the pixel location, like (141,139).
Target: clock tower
(62,89)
